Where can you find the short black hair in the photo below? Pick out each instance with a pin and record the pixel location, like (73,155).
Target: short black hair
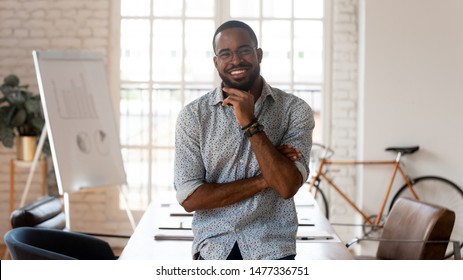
(234,24)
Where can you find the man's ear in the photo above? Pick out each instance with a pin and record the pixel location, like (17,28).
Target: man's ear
(259,54)
(215,61)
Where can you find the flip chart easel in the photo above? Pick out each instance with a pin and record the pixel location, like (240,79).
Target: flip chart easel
(80,123)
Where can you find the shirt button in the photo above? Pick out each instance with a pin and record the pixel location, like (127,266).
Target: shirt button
(241,160)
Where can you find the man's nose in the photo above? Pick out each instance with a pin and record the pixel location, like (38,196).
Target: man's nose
(236,57)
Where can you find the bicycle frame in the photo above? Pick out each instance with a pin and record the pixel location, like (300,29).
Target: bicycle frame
(396,167)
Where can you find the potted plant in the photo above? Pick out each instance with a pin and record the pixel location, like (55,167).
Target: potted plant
(21,116)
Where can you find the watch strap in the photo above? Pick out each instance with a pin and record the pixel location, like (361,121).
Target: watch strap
(255,128)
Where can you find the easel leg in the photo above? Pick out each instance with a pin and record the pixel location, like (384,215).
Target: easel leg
(38,151)
(127,209)
(12,173)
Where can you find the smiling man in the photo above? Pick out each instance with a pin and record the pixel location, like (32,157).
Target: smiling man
(241,154)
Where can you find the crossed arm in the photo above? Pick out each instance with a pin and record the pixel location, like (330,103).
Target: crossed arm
(214,195)
(278,170)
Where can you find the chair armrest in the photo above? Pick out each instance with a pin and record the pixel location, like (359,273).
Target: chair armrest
(38,212)
(105,235)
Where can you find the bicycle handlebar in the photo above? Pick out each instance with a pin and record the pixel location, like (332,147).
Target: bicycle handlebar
(323,152)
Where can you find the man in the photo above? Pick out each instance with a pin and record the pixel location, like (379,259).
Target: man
(235,164)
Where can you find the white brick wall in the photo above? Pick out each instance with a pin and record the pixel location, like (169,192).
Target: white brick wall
(344,105)
(58,25)
(86,25)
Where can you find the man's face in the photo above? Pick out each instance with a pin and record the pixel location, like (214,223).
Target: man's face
(237,59)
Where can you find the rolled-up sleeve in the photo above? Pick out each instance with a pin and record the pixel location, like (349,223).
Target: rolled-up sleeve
(299,134)
(188,163)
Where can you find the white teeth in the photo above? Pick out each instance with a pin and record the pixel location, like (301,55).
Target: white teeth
(237,72)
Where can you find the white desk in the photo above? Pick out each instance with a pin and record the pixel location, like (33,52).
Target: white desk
(143,246)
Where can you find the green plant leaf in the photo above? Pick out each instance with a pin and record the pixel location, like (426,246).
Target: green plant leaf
(37,123)
(16,98)
(20,109)
(19,118)
(10,111)
(7,136)
(27,94)
(6,90)
(33,106)
(11,80)
(4,110)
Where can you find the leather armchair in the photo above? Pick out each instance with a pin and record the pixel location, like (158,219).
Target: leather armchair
(414,230)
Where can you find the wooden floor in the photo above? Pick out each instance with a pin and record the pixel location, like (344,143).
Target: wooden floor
(2,252)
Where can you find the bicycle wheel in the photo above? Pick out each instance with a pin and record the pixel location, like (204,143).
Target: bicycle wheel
(322,202)
(318,152)
(439,191)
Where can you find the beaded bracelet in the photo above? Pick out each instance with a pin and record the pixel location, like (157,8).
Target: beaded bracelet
(253,122)
(253,129)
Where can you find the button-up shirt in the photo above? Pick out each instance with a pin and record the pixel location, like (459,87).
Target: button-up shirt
(211,147)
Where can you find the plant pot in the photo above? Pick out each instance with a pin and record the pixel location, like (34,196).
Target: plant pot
(25,147)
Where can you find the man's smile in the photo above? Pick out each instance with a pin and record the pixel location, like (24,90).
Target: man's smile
(238,73)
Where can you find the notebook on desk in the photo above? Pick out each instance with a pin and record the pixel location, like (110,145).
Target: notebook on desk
(175,210)
(182,225)
(305,222)
(315,236)
(174,234)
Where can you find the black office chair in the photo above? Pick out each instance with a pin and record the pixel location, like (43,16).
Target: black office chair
(33,243)
(47,212)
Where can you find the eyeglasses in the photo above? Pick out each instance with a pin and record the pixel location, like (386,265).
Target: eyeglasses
(242,52)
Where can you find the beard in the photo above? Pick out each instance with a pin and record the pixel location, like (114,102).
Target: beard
(245,86)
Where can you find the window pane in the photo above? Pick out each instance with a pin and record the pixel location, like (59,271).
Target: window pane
(244,8)
(308,8)
(178,59)
(137,170)
(163,169)
(193,92)
(166,104)
(199,8)
(277,8)
(135,8)
(134,114)
(276,44)
(308,51)
(134,50)
(199,65)
(312,95)
(167,50)
(167,8)
(284,87)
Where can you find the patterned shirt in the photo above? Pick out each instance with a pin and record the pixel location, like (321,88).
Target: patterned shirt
(211,147)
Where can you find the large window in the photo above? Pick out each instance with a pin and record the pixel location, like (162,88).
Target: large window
(167,61)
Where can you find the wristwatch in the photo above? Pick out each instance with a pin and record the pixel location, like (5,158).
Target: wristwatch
(253,130)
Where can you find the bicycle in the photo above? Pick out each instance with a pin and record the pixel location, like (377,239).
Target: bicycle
(421,188)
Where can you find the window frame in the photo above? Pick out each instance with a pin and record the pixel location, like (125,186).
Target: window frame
(222,14)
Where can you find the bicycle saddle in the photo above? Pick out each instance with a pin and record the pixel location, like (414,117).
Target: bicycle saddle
(403,150)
